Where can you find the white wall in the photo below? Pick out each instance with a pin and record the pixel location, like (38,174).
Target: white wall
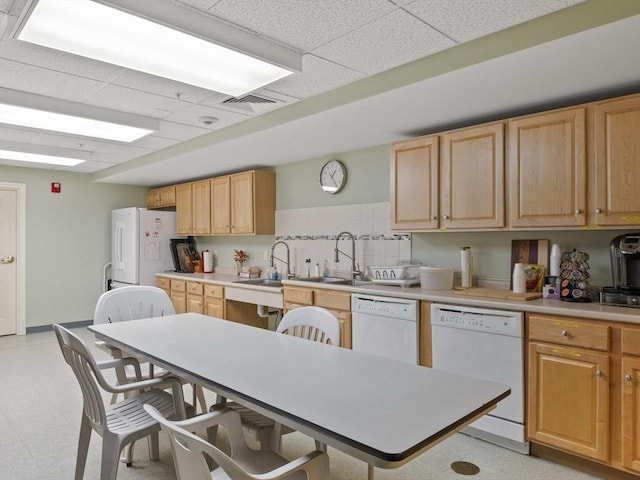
(68,241)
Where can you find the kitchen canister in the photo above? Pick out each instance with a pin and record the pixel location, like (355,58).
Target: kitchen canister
(574,277)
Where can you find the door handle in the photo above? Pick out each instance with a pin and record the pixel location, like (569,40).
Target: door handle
(9,259)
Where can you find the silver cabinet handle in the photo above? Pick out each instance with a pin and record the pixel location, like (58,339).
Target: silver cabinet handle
(628,377)
(599,373)
(565,333)
(579,211)
(434,217)
(598,210)
(9,259)
(446,217)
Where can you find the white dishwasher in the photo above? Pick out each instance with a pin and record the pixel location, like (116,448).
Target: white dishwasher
(489,345)
(385,326)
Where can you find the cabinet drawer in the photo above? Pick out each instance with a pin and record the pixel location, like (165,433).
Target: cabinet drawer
(163,283)
(303,296)
(631,341)
(179,285)
(569,331)
(216,291)
(194,288)
(333,299)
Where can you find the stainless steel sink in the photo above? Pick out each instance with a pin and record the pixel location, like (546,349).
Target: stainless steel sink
(333,280)
(263,282)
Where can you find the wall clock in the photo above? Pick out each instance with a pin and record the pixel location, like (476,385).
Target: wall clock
(333,176)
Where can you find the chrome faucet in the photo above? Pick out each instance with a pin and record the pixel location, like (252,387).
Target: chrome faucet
(287,262)
(354,271)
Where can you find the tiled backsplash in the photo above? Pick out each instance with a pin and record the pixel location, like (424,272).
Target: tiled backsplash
(311,233)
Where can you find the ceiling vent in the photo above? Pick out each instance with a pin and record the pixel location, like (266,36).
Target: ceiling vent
(252,103)
(249,99)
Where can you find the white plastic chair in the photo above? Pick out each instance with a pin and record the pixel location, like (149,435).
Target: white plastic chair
(133,303)
(311,323)
(121,423)
(191,453)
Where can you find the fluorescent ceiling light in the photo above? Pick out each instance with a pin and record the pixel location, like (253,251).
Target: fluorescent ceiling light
(36,111)
(235,64)
(38,158)
(57,122)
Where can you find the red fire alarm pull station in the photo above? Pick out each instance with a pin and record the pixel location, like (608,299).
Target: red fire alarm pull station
(55,187)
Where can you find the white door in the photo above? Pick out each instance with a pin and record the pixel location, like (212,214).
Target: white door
(9,260)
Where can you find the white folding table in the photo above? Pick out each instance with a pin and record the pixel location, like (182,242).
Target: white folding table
(381,411)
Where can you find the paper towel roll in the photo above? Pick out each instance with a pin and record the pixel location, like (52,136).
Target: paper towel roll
(207,258)
(466,266)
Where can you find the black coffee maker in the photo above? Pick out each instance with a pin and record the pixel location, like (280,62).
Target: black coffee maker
(625,271)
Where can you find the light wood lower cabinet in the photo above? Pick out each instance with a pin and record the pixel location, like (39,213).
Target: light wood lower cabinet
(584,388)
(196,297)
(631,398)
(179,295)
(214,300)
(338,302)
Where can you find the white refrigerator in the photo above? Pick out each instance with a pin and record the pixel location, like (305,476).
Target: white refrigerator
(140,245)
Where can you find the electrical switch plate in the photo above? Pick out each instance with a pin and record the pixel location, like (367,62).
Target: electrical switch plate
(266,255)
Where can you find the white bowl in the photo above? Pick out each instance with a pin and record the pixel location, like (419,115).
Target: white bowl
(436,278)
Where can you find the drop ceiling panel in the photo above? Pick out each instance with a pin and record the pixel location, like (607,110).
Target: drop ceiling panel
(463,20)
(55,60)
(319,75)
(179,131)
(136,101)
(381,45)
(304,25)
(41,81)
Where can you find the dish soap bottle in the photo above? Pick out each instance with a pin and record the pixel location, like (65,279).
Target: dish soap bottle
(325,269)
(274,273)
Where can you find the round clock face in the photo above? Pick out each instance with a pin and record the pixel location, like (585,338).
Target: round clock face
(333,176)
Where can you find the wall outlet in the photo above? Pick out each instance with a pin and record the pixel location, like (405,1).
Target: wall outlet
(266,255)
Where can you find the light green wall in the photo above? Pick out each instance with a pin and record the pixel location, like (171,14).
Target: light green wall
(68,241)
(297,184)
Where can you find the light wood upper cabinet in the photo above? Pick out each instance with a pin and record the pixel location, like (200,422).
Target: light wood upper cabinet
(547,169)
(472,177)
(193,204)
(184,209)
(244,203)
(617,151)
(161,197)
(201,207)
(452,181)
(220,205)
(414,184)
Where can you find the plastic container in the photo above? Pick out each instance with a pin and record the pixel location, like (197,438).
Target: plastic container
(436,278)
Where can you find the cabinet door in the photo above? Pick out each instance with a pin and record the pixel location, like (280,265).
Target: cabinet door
(214,307)
(168,196)
(472,177)
(569,399)
(184,215)
(547,170)
(220,205)
(179,300)
(631,413)
(242,203)
(414,184)
(201,207)
(195,303)
(617,146)
(153,198)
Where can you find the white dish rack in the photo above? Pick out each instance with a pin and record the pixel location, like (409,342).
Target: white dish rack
(399,272)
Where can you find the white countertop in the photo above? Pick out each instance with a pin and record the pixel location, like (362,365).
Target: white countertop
(594,310)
